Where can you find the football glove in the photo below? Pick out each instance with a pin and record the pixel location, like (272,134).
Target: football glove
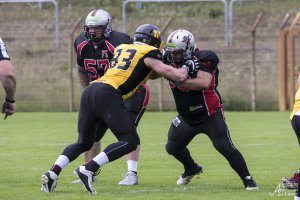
(166,58)
(191,65)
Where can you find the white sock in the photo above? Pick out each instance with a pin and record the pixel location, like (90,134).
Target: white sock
(62,161)
(101,159)
(297,198)
(132,165)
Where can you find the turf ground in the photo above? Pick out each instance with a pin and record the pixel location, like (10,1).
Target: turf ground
(31,142)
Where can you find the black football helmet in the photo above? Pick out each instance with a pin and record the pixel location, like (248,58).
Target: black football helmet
(148,34)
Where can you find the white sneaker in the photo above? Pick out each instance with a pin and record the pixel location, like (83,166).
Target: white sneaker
(130,178)
(86,178)
(187,176)
(49,180)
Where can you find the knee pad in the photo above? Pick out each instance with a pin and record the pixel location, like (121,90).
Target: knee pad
(171,147)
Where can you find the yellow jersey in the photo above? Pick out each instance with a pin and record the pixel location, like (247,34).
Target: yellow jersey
(127,68)
(296,104)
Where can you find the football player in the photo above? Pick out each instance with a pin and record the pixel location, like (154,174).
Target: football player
(95,48)
(102,102)
(8,80)
(292,183)
(200,109)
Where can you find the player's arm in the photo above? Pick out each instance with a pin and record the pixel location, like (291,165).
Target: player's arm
(201,82)
(8,79)
(83,77)
(9,83)
(177,75)
(154,75)
(207,61)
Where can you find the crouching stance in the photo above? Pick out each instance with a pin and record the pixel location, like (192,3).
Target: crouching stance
(199,109)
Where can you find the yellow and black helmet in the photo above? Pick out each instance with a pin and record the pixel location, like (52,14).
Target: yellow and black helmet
(148,34)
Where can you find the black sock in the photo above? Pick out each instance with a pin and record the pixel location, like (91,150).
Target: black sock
(56,169)
(238,163)
(92,166)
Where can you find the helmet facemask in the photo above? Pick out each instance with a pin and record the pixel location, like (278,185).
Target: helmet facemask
(94,33)
(176,55)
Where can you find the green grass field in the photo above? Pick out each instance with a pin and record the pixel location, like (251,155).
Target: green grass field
(31,142)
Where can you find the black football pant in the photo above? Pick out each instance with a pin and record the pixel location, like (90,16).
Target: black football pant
(101,103)
(181,134)
(136,104)
(296,126)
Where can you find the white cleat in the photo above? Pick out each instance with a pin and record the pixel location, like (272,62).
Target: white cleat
(130,178)
(86,178)
(49,180)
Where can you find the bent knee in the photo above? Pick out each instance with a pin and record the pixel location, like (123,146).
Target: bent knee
(225,149)
(171,148)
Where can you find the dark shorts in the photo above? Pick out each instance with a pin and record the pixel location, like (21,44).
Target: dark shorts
(296,126)
(136,104)
(214,127)
(102,106)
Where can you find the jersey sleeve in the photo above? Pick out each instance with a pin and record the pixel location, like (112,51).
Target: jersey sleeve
(155,53)
(128,40)
(79,58)
(3,52)
(208,60)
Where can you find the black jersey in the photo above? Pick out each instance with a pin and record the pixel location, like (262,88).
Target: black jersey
(3,51)
(95,60)
(196,105)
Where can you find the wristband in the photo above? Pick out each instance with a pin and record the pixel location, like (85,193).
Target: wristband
(9,101)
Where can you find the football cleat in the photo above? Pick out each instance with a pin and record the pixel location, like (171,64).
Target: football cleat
(291,183)
(49,180)
(187,176)
(86,178)
(79,181)
(249,183)
(130,178)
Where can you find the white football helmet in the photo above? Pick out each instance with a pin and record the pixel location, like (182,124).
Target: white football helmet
(181,41)
(98,25)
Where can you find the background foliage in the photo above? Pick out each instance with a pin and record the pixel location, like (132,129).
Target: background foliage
(43,71)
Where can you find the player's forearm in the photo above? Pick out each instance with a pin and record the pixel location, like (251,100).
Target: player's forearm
(84,79)
(177,75)
(8,79)
(195,84)
(9,84)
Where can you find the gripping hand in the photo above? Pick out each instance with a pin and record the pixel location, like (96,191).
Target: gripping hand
(191,65)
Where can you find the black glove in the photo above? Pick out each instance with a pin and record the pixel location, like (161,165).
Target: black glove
(191,65)
(166,58)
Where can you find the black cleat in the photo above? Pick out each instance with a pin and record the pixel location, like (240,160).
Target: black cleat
(249,183)
(186,177)
(86,178)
